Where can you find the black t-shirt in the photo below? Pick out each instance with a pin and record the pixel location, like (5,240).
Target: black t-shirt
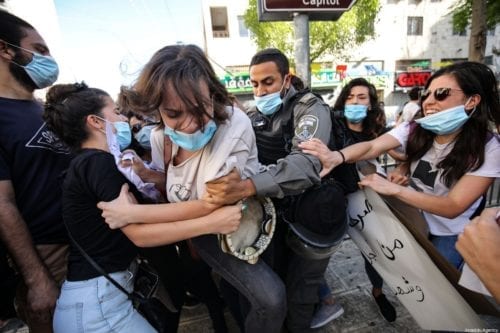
(33,158)
(93,177)
(359,136)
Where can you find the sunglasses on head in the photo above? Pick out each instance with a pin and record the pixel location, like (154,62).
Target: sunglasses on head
(440,94)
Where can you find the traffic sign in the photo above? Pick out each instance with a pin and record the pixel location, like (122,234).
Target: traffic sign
(317,10)
(307,5)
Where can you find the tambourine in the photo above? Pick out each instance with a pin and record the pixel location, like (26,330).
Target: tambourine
(255,231)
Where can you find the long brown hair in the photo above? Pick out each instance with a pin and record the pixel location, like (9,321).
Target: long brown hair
(468,151)
(374,123)
(181,68)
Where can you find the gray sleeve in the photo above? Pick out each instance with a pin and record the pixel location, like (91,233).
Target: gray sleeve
(297,171)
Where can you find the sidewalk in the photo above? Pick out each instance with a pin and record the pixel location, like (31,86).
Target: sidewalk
(351,287)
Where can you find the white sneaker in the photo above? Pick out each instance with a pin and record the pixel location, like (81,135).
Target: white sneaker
(325,313)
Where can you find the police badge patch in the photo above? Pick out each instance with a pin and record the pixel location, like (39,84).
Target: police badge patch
(307,127)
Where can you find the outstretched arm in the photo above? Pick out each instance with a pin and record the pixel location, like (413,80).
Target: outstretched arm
(124,210)
(396,155)
(357,152)
(222,221)
(460,197)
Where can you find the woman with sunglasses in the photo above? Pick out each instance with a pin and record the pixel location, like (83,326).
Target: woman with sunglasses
(453,154)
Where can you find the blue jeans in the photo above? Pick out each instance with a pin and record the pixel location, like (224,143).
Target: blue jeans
(446,247)
(97,306)
(262,288)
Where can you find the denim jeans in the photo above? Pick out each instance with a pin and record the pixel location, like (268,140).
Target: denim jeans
(97,306)
(55,257)
(445,245)
(304,280)
(262,288)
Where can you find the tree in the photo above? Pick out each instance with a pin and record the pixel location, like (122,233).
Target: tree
(480,15)
(326,37)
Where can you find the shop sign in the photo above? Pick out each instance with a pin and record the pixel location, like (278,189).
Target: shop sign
(412,79)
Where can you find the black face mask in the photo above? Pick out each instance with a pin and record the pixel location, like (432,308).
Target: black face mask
(19,73)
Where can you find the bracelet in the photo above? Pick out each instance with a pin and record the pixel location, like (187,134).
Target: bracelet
(341,154)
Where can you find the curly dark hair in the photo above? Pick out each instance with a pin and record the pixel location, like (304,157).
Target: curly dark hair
(67,107)
(374,123)
(182,68)
(468,152)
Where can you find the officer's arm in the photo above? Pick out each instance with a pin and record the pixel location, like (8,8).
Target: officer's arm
(297,171)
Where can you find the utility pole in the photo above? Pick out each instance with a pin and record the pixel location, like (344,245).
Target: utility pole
(303,12)
(301,47)
(477,42)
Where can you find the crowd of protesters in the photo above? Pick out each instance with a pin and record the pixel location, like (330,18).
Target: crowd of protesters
(171,167)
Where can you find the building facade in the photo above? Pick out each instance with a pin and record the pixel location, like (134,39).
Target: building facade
(412,39)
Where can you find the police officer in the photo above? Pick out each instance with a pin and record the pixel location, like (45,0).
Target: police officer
(283,117)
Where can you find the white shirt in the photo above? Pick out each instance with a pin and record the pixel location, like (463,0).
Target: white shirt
(232,146)
(409,111)
(427,178)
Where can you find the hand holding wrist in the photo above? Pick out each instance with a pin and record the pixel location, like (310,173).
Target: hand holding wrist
(248,188)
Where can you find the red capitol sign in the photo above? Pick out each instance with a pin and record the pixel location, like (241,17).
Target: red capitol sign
(412,79)
(307,5)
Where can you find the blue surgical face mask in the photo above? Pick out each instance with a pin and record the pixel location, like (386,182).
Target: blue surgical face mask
(446,121)
(355,113)
(144,136)
(122,137)
(194,141)
(269,104)
(123,134)
(43,70)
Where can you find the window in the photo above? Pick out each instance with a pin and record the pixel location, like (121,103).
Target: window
(491,32)
(220,26)
(242,27)
(415,25)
